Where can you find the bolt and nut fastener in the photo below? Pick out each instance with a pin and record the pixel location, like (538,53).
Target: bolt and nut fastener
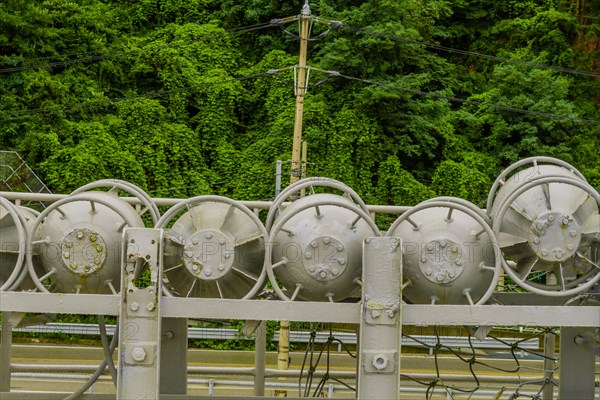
(380,362)
(138,354)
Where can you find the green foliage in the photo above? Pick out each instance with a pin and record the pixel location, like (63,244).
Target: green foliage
(184,124)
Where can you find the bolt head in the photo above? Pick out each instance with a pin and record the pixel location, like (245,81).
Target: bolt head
(208,235)
(195,241)
(380,362)
(375,314)
(150,306)
(459,262)
(341,260)
(540,226)
(195,267)
(326,240)
(138,354)
(134,306)
(334,272)
(429,246)
(570,246)
(544,252)
(311,268)
(551,218)
(189,253)
(66,255)
(439,277)
(207,272)
(308,254)
(323,274)
(227,256)
(221,267)
(536,240)
(340,247)
(451,274)
(573,232)
(221,241)
(565,221)
(423,259)
(313,245)
(428,272)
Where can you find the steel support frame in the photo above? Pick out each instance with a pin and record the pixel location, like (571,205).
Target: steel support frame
(381,326)
(140,328)
(139,315)
(413,314)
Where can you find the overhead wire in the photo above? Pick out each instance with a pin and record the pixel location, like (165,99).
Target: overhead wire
(15,115)
(457,99)
(464,52)
(100,55)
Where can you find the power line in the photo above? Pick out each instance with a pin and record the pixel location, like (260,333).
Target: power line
(99,56)
(16,115)
(458,99)
(466,52)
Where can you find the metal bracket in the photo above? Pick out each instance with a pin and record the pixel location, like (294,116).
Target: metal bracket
(380,361)
(140,322)
(381,312)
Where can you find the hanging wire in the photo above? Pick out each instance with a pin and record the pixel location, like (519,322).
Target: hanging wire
(15,115)
(472,361)
(464,52)
(458,99)
(94,56)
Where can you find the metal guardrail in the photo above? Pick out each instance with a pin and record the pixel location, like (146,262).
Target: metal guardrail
(295,336)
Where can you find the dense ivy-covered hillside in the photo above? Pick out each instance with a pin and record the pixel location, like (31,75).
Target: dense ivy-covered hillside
(181,96)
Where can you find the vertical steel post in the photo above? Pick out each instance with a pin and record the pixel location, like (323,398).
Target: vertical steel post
(549,347)
(381,325)
(139,315)
(173,356)
(5,352)
(304,161)
(576,367)
(260,348)
(277,178)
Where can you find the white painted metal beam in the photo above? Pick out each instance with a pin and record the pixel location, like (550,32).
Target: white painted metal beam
(413,314)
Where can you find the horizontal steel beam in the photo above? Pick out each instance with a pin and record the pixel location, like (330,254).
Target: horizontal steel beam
(412,314)
(262,205)
(295,336)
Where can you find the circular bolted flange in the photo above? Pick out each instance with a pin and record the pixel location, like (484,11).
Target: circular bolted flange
(222,240)
(283,219)
(554,236)
(325,258)
(208,255)
(439,276)
(442,261)
(579,284)
(83,251)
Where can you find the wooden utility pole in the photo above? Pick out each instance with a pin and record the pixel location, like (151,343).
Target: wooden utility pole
(296,171)
(300,92)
